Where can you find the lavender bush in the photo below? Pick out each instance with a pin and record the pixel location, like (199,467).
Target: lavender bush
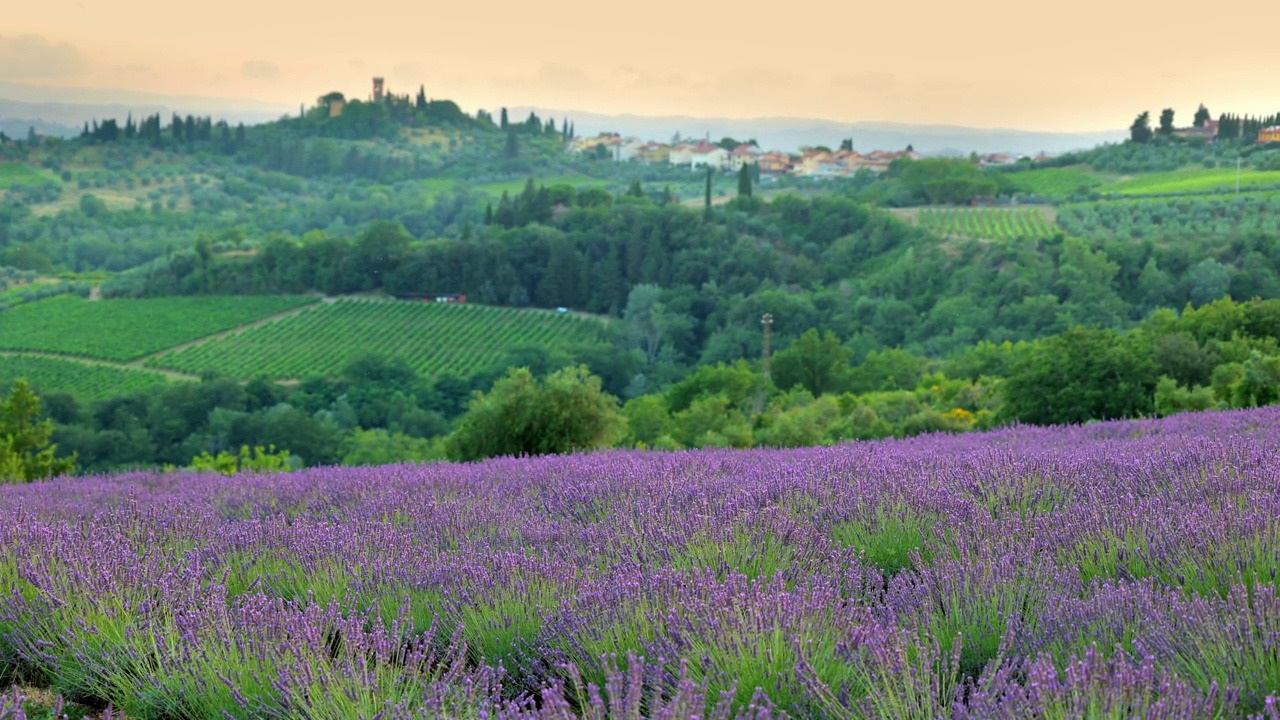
(1116,570)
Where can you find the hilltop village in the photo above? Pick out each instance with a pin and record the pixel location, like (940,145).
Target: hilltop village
(728,155)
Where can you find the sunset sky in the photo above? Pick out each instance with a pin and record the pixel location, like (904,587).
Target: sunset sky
(1089,65)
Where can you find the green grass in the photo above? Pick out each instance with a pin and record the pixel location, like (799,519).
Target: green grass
(431,337)
(13,174)
(1191,180)
(128,329)
(84,380)
(1054,182)
(994,223)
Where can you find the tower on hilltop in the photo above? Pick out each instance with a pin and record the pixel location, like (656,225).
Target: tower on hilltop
(377,89)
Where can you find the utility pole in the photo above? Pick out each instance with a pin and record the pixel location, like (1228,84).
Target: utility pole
(767,322)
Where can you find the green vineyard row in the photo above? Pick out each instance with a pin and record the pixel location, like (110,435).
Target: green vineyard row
(996,224)
(432,337)
(83,380)
(123,330)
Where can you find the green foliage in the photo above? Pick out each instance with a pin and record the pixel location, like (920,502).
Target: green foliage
(1111,376)
(942,181)
(1171,398)
(566,412)
(1182,219)
(816,362)
(382,447)
(257,460)
(26,454)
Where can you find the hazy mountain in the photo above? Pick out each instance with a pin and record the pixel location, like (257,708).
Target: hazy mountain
(790,133)
(73,107)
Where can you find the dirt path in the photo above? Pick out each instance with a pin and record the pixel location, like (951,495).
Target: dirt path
(171,374)
(141,362)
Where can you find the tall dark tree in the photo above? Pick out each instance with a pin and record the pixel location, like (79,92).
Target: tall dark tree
(1201,117)
(708,192)
(513,145)
(1166,122)
(744,181)
(421,101)
(1140,130)
(503,122)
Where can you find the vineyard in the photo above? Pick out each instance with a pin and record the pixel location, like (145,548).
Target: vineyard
(986,223)
(432,337)
(84,380)
(1210,218)
(124,330)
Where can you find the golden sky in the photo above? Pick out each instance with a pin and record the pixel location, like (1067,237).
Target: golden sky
(1087,65)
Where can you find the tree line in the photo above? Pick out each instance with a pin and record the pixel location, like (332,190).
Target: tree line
(1222,355)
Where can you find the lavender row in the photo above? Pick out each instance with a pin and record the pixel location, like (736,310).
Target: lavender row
(1112,570)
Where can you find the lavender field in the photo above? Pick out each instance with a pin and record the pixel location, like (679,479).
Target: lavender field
(1119,570)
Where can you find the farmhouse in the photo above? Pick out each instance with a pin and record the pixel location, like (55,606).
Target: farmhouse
(1269,135)
(708,155)
(775,163)
(1208,132)
(653,153)
(745,154)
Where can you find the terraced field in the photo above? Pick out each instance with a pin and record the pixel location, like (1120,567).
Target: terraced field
(123,330)
(432,337)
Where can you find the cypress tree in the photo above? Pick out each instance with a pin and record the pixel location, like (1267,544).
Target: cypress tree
(502,123)
(744,181)
(707,206)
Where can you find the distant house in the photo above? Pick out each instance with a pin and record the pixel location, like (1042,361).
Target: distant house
(745,154)
(612,143)
(812,162)
(997,159)
(627,150)
(1207,132)
(707,155)
(775,163)
(653,153)
(681,154)
(1269,135)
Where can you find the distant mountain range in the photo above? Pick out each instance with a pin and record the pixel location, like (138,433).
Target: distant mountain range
(64,111)
(788,134)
